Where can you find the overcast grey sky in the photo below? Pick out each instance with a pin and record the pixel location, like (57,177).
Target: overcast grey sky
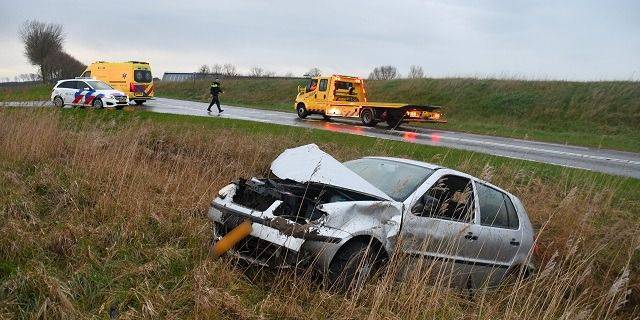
(574,40)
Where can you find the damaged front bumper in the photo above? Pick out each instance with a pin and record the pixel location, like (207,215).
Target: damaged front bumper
(275,241)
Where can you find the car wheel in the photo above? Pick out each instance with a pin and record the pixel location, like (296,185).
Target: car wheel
(58,102)
(302,111)
(139,102)
(354,264)
(97,103)
(368,118)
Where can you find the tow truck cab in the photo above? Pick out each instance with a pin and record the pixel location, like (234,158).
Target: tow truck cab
(345,96)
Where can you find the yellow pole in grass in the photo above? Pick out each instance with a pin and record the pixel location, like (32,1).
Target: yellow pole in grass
(232,238)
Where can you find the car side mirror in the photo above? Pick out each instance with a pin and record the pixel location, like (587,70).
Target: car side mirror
(425,206)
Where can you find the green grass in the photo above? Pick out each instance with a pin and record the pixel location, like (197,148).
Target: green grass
(271,94)
(29,92)
(594,114)
(104,209)
(448,157)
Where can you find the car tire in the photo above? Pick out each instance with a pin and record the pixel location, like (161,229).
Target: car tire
(301,111)
(354,264)
(367,117)
(139,102)
(97,103)
(58,102)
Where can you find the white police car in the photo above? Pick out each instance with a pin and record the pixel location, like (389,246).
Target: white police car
(87,92)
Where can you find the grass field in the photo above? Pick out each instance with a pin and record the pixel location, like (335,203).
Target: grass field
(106,211)
(596,114)
(26,93)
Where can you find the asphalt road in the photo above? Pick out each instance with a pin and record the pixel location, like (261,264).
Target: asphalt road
(601,160)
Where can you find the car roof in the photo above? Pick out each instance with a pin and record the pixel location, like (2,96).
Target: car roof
(436,167)
(409,161)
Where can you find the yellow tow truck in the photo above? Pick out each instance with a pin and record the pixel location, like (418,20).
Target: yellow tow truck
(345,96)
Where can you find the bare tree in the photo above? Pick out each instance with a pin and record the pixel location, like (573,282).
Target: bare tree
(269,74)
(41,40)
(216,69)
(204,69)
(62,65)
(384,73)
(313,72)
(229,70)
(415,72)
(256,72)
(289,74)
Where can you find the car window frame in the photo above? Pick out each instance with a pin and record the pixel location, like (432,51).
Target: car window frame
(86,85)
(505,195)
(326,85)
(429,182)
(61,85)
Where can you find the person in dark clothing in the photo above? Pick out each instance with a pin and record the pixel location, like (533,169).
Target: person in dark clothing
(216,89)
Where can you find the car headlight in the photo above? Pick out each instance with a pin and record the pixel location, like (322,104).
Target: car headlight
(224,192)
(111,96)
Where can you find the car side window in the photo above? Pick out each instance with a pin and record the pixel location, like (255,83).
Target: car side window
(87,74)
(68,85)
(81,85)
(514,222)
(323,84)
(450,198)
(312,85)
(496,209)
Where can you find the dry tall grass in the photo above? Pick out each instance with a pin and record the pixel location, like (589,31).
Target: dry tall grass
(103,217)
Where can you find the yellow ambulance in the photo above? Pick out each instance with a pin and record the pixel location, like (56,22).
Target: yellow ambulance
(132,77)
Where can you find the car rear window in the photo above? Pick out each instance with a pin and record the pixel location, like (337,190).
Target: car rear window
(68,85)
(142,76)
(496,209)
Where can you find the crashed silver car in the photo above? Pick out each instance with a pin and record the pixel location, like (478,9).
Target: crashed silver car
(317,211)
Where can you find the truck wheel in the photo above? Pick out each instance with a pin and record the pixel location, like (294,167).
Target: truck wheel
(139,102)
(58,102)
(354,264)
(302,111)
(326,117)
(368,118)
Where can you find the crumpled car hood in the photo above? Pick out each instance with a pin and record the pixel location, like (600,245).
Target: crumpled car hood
(310,164)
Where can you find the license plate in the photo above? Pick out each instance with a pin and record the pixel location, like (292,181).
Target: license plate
(138,93)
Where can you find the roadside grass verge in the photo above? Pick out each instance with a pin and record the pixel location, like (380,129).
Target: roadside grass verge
(28,92)
(105,210)
(595,114)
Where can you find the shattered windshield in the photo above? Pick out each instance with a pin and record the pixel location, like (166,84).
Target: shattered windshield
(398,180)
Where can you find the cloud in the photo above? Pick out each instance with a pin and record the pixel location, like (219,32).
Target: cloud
(581,40)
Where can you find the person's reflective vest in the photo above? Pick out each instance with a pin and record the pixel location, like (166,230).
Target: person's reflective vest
(215,88)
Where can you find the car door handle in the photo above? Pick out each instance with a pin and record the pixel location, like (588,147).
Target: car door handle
(514,242)
(470,236)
